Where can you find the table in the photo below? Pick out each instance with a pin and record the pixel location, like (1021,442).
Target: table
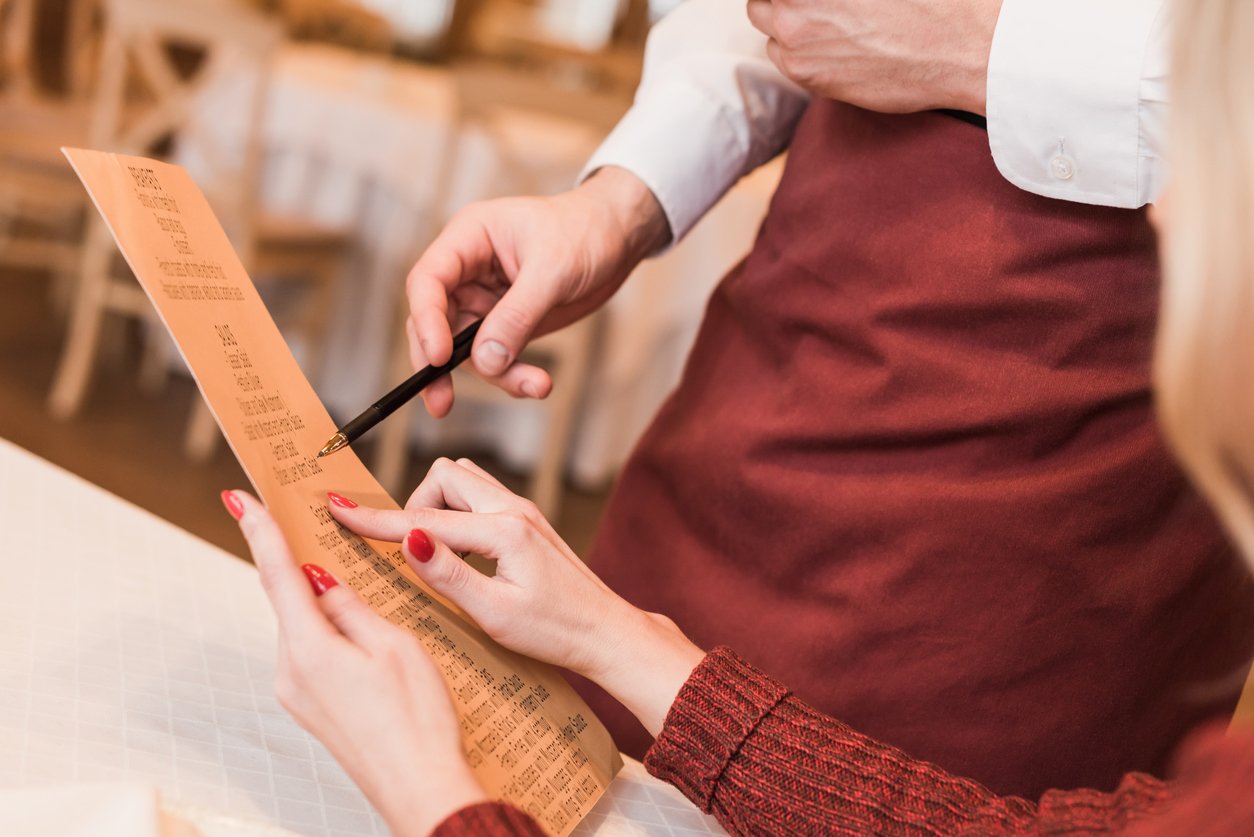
(360,140)
(132,651)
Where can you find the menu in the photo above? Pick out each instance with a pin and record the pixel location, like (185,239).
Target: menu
(527,735)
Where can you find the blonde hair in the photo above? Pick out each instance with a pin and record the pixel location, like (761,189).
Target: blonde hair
(1204,363)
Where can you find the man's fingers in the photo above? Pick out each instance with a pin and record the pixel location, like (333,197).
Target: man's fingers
(762,16)
(510,324)
(428,320)
(460,253)
(522,380)
(284,583)
(438,397)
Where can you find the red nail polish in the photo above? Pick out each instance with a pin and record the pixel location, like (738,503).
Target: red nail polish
(340,500)
(420,546)
(233,505)
(319,579)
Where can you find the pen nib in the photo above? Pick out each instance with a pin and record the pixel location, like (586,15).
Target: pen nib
(333,444)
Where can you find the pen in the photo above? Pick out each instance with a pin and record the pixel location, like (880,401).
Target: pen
(413,385)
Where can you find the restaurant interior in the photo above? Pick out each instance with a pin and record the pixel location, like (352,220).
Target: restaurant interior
(334,138)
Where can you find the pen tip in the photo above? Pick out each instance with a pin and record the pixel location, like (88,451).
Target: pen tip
(333,444)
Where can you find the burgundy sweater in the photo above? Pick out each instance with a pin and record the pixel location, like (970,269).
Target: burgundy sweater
(762,762)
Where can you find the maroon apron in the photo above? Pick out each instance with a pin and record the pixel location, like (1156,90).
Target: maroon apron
(912,471)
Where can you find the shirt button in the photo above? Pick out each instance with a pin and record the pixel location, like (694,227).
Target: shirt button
(1062,168)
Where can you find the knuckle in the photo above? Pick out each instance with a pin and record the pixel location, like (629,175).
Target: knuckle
(514,319)
(493,621)
(783,59)
(470,214)
(396,645)
(516,525)
(529,511)
(451,575)
(337,608)
(787,24)
(269,573)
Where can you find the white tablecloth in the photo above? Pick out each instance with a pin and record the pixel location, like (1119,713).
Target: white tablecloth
(132,651)
(360,140)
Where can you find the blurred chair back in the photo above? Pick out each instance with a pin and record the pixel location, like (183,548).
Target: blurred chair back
(159,58)
(26,31)
(17,32)
(190,79)
(48,50)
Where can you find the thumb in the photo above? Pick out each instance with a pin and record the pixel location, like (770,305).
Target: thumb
(509,325)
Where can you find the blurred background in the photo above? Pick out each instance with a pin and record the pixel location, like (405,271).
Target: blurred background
(334,138)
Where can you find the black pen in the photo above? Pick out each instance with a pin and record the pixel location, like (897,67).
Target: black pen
(393,401)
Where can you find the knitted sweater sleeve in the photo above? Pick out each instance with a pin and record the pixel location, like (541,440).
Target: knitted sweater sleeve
(762,762)
(489,819)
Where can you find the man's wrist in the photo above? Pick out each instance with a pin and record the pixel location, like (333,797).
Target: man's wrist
(636,216)
(967,87)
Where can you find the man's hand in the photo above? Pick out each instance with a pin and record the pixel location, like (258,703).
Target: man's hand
(527,266)
(895,56)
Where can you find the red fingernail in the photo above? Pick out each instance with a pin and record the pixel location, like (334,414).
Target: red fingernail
(341,501)
(319,579)
(420,546)
(233,505)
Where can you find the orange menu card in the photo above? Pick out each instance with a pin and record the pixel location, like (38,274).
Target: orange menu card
(528,736)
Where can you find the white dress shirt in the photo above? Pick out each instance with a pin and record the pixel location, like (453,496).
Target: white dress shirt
(1076,103)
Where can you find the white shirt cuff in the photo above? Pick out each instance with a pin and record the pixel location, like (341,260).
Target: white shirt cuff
(687,171)
(1076,96)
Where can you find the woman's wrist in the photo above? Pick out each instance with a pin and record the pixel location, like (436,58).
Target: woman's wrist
(644,663)
(414,805)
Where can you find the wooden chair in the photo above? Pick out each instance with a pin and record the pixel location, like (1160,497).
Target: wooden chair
(158,56)
(41,205)
(487,97)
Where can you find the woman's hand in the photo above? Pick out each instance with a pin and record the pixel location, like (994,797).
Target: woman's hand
(527,266)
(364,687)
(543,601)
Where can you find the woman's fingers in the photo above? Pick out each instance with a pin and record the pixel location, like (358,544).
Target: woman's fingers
(286,587)
(349,614)
(308,600)
(452,486)
(489,535)
(470,466)
(447,574)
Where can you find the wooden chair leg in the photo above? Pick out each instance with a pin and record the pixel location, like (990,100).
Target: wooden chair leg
(154,368)
(570,373)
(82,340)
(391,453)
(202,436)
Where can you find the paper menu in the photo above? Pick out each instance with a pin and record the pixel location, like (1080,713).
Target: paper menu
(529,738)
